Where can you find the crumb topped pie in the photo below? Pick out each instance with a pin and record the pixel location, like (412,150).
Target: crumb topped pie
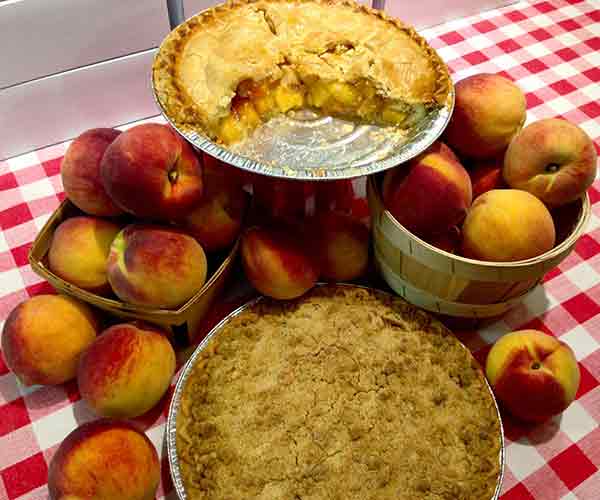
(227,70)
(344,394)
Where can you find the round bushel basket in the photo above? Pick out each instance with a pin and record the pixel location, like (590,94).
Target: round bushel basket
(448,284)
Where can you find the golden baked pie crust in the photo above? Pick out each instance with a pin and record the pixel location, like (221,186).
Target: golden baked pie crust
(345,394)
(200,64)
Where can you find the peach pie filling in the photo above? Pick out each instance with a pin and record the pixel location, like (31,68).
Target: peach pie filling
(256,102)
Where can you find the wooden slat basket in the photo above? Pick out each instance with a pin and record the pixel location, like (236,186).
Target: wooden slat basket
(448,284)
(182,321)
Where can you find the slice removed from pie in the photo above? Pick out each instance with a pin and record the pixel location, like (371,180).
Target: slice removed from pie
(227,70)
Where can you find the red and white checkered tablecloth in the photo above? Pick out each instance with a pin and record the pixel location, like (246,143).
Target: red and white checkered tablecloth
(552,50)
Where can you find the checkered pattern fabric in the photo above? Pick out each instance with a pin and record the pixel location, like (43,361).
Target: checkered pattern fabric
(552,49)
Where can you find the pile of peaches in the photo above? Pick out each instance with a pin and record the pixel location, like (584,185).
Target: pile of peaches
(488,191)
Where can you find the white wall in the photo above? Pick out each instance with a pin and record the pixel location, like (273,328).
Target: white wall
(69,65)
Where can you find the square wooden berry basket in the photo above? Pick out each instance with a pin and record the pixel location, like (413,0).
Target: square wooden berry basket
(182,321)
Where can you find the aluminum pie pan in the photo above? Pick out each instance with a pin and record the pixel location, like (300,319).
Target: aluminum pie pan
(171,424)
(305,146)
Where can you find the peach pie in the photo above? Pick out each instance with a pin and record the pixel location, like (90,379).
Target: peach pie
(227,70)
(344,394)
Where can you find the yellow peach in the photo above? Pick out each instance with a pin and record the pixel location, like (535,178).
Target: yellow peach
(79,252)
(505,225)
(44,337)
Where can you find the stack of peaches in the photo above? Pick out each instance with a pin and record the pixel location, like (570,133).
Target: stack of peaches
(488,191)
(285,251)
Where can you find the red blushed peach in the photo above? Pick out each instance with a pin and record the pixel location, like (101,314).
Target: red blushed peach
(281,197)
(449,240)
(216,221)
(336,195)
(552,159)
(340,245)
(489,111)
(155,266)
(429,194)
(79,252)
(505,225)
(487,175)
(276,263)
(227,174)
(151,172)
(534,375)
(44,337)
(104,460)
(126,370)
(80,172)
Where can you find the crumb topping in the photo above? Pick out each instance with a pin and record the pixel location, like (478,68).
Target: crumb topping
(344,394)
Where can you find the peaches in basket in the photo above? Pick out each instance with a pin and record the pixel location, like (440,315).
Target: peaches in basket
(489,111)
(431,194)
(490,192)
(177,207)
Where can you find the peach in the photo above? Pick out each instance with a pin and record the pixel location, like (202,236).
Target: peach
(276,263)
(534,375)
(552,159)
(228,174)
(155,266)
(44,336)
(335,195)
(487,175)
(281,197)
(489,111)
(216,221)
(80,172)
(449,240)
(151,172)
(429,194)
(126,370)
(506,225)
(340,244)
(79,252)
(104,460)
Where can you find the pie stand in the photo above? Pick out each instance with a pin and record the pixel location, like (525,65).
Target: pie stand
(558,292)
